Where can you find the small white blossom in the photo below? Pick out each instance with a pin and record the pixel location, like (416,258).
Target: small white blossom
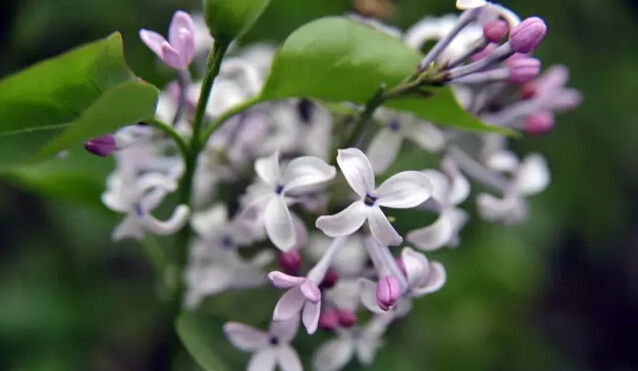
(269,198)
(364,342)
(403,190)
(450,189)
(270,349)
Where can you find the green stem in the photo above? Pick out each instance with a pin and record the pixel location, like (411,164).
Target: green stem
(364,117)
(227,115)
(166,128)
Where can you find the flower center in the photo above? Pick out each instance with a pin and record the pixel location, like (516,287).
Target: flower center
(369,200)
(274,341)
(138,210)
(227,242)
(278,189)
(394,125)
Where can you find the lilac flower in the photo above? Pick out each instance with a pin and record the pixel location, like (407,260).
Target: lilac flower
(137,197)
(350,259)
(303,293)
(178,52)
(270,349)
(270,197)
(214,228)
(450,189)
(403,190)
(386,145)
(364,342)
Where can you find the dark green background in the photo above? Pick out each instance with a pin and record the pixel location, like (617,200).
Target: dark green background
(558,293)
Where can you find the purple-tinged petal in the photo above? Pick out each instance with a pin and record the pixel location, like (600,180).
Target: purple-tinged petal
(284,281)
(310,316)
(310,290)
(285,330)
(244,337)
(289,305)
(368,290)
(263,360)
(171,57)
(417,267)
(436,280)
(153,40)
(181,35)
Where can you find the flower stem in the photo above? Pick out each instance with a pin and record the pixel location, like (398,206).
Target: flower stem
(179,140)
(364,117)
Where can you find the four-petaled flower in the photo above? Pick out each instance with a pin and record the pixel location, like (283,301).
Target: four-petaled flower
(270,198)
(403,190)
(270,349)
(178,52)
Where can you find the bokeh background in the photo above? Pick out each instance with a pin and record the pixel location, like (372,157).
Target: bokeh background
(557,293)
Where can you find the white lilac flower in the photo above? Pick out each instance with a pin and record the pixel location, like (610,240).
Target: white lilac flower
(138,197)
(270,349)
(434,29)
(269,198)
(386,145)
(214,227)
(303,294)
(423,277)
(178,52)
(403,190)
(529,177)
(364,342)
(214,269)
(349,260)
(315,129)
(450,189)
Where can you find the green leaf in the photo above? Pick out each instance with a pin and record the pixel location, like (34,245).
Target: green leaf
(41,101)
(200,334)
(337,59)
(230,19)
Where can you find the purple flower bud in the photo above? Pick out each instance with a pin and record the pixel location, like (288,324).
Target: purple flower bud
(330,279)
(347,318)
(528,91)
(539,123)
(329,320)
(101,146)
(495,31)
(179,50)
(523,69)
(388,292)
(290,262)
(526,36)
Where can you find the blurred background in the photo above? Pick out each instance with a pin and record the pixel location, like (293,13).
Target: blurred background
(557,293)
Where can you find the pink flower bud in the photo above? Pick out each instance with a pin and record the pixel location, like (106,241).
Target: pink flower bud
(495,31)
(528,91)
(330,279)
(101,146)
(539,123)
(347,318)
(526,36)
(290,262)
(489,49)
(523,69)
(388,292)
(329,320)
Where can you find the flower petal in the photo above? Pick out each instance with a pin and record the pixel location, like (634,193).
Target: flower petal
(263,360)
(404,190)
(128,228)
(172,58)
(153,40)
(367,350)
(311,291)
(435,282)
(502,161)
(381,229)
(289,305)
(310,316)
(304,172)
(207,222)
(267,168)
(417,267)
(181,35)
(509,210)
(459,185)
(284,281)
(470,4)
(288,359)
(279,225)
(533,175)
(333,355)
(168,227)
(434,236)
(368,291)
(357,170)
(245,337)
(344,223)
(285,330)
(426,135)
(383,149)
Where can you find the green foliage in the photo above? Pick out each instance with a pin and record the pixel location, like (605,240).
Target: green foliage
(88,91)
(230,19)
(337,59)
(200,335)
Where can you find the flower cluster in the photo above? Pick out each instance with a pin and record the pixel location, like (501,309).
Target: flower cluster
(312,204)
